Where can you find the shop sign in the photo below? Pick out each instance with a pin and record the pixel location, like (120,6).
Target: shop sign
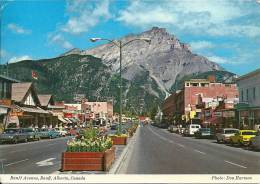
(16,112)
(5,102)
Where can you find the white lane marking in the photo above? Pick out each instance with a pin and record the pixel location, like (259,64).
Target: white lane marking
(161,137)
(235,164)
(200,152)
(181,145)
(17,162)
(46,162)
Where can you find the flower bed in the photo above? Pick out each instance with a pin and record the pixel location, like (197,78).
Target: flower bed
(88,161)
(89,153)
(119,139)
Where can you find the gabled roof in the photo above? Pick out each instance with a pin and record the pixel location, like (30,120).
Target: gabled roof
(8,78)
(20,91)
(45,100)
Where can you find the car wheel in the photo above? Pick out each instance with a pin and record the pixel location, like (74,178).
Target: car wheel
(231,142)
(218,141)
(15,141)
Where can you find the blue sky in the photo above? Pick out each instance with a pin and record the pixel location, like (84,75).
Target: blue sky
(224,31)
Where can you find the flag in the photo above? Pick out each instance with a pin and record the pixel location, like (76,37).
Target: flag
(34,75)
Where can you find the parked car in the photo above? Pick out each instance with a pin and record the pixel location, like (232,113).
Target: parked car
(62,132)
(48,133)
(203,133)
(31,133)
(255,142)
(243,137)
(113,127)
(172,128)
(13,135)
(225,134)
(191,129)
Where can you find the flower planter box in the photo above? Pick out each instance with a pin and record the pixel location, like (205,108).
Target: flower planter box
(119,140)
(88,161)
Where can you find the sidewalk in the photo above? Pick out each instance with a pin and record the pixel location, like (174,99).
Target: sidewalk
(121,151)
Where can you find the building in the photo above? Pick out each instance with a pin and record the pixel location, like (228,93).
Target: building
(47,103)
(26,111)
(182,106)
(5,99)
(249,99)
(99,110)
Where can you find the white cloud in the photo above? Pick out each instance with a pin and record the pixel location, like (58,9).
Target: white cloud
(84,15)
(201,45)
(18,29)
(60,40)
(215,18)
(19,58)
(217,59)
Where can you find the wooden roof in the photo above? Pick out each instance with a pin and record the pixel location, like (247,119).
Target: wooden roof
(45,100)
(20,91)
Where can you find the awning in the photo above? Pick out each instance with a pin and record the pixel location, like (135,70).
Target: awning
(62,120)
(33,110)
(68,120)
(73,120)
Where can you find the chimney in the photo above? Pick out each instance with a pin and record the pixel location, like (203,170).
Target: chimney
(212,78)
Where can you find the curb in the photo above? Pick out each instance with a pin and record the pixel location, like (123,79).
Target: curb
(117,165)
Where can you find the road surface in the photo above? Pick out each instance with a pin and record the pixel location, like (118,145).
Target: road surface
(157,151)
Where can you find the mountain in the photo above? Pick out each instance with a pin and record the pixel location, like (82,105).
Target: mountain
(164,58)
(68,75)
(149,71)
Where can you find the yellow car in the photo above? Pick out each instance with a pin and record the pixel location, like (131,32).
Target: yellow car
(243,137)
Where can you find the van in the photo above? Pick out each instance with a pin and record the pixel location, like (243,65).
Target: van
(193,128)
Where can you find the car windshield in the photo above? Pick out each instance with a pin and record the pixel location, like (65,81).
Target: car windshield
(44,130)
(230,131)
(11,131)
(248,133)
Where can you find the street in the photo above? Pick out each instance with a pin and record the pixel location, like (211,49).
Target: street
(40,157)
(156,151)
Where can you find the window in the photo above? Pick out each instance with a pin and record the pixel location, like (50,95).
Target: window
(247,94)
(254,93)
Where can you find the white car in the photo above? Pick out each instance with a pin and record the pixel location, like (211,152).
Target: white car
(61,132)
(225,134)
(192,128)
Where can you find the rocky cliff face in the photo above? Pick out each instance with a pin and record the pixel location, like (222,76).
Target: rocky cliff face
(164,58)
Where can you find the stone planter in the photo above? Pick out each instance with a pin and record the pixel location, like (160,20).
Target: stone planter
(88,161)
(119,140)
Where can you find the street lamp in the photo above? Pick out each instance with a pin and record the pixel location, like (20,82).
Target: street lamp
(120,45)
